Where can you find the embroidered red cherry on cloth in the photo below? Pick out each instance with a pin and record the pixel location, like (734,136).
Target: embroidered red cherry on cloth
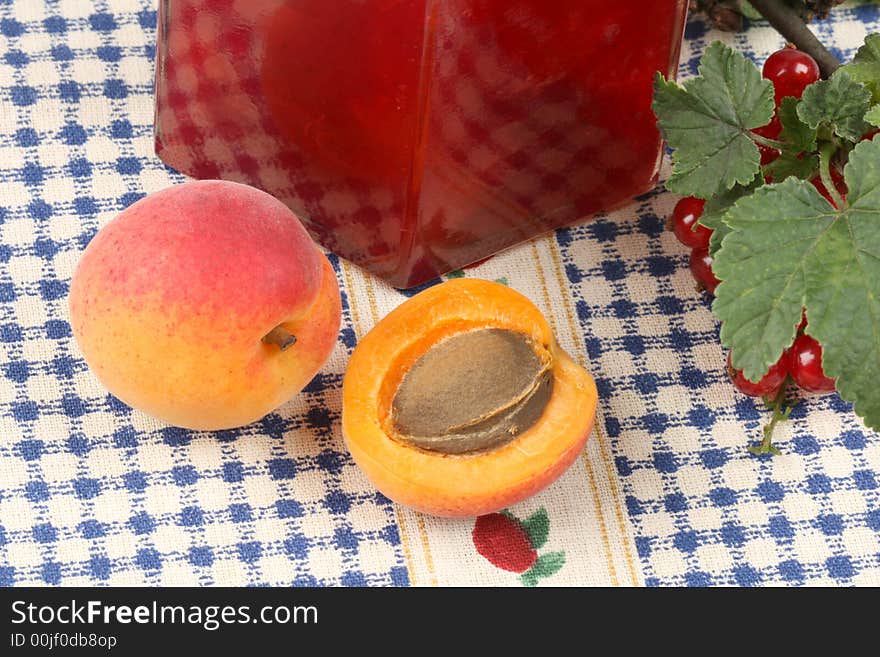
(93,493)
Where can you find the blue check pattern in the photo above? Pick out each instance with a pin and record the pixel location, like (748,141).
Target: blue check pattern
(93,493)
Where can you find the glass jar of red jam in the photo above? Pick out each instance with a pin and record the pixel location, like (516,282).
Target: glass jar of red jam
(414,137)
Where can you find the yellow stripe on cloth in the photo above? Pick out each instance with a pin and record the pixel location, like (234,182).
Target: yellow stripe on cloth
(359,332)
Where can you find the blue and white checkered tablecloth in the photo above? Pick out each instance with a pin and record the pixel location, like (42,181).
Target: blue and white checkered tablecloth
(92,492)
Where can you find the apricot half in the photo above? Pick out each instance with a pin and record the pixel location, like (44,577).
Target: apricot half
(460,402)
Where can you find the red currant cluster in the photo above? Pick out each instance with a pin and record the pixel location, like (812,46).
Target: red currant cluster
(791,71)
(802,361)
(684,224)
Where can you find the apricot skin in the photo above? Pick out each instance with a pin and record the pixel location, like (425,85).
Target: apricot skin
(465,484)
(171,299)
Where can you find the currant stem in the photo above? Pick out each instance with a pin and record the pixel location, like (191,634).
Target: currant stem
(780,414)
(771,143)
(826,152)
(791,25)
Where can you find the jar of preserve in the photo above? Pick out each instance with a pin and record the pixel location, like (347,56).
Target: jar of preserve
(414,137)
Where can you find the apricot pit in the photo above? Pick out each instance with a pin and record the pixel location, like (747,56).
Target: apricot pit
(473,391)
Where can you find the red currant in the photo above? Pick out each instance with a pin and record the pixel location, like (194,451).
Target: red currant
(791,71)
(684,223)
(769,384)
(701,268)
(803,323)
(805,365)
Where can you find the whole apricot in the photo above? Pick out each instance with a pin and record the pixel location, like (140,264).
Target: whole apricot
(205,305)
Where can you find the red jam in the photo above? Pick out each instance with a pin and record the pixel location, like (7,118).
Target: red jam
(414,137)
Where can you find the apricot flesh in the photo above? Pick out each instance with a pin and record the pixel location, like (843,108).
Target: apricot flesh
(171,301)
(471,483)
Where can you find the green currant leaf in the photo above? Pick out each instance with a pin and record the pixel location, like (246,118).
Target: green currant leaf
(798,160)
(707,121)
(873,116)
(717,206)
(761,266)
(795,132)
(865,66)
(839,103)
(716,238)
(788,165)
(789,249)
